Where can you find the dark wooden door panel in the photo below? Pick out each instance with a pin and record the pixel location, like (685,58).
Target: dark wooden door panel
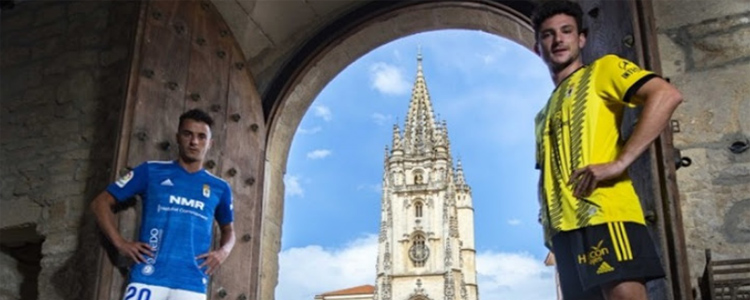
(243,167)
(611,31)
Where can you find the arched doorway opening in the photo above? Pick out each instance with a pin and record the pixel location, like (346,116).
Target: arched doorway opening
(367,32)
(621,27)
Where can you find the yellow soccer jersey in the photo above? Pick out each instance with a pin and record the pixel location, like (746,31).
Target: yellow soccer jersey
(580,126)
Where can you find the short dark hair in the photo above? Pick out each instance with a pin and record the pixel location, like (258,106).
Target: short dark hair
(550,8)
(196,115)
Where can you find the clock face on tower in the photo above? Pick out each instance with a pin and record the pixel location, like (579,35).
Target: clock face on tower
(419,252)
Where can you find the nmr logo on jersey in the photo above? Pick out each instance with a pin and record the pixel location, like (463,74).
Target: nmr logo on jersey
(186,202)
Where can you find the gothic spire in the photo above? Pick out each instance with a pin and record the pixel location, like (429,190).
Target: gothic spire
(419,128)
(460,180)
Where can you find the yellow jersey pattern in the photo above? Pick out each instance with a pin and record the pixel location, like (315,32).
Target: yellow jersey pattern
(580,126)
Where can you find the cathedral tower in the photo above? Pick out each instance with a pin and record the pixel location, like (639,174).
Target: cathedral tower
(426,242)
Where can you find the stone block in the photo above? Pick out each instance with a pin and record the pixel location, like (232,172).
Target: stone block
(15,55)
(111,56)
(16,22)
(672,56)
(50,13)
(79,59)
(20,78)
(721,49)
(47,48)
(11,216)
(711,109)
(10,286)
(57,247)
(38,34)
(80,85)
(81,7)
(676,13)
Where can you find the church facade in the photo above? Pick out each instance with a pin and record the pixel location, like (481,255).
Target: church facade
(426,240)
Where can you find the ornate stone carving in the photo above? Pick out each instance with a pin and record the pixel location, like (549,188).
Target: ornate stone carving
(386,287)
(448,253)
(383,229)
(449,286)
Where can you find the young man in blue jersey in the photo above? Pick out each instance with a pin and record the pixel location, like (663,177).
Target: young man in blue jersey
(591,213)
(180,200)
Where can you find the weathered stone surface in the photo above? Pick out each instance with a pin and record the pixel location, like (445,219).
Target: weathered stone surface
(15,55)
(10,286)
(49,14)
(54,116)
(718,50)
(109,57)
(676,13)
(712,107)
(10,216)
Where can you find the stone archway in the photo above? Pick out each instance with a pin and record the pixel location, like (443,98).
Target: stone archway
(622,26)
(310,78)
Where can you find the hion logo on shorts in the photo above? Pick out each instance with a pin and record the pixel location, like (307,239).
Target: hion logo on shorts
(595,255)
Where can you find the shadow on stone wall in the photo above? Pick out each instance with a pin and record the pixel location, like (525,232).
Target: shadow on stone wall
(89,63)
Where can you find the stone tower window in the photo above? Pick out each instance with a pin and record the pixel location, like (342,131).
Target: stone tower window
(418,177)
(418,209)
(419,252)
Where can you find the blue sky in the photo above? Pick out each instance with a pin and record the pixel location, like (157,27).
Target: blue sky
(488,89)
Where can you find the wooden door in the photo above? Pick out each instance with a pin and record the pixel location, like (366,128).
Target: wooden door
(624,27)
(185,57)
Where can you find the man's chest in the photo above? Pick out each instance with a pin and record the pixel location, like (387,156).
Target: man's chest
(176,192)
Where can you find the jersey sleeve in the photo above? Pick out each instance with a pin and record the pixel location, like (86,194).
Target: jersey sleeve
(225,211)
(619,79)
(133,183)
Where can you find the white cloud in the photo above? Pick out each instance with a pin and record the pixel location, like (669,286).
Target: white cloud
(518,276)
(381,119)
(311,270)
(318,154)
(514,222)
(323,112)
(313,130)
(388,79)
(292,186)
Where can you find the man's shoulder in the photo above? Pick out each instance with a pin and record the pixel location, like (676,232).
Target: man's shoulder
(158,165)
(608,60)
(216,179)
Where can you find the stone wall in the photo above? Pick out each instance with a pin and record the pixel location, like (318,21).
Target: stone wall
(705,51)
(10,286)
(64,70)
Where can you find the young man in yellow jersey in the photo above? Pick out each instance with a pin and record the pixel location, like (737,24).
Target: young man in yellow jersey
(590,211)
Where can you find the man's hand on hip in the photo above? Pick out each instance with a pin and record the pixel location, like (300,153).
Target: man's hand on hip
(586,179)
(134,250)
(213,260)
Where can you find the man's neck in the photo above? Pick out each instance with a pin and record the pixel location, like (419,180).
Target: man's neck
(564,73)
(190,167)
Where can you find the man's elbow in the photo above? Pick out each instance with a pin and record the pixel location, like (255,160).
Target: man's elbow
(675,97)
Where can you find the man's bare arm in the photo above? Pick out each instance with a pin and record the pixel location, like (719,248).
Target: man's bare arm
(659,100)
(102,208)
(215,258)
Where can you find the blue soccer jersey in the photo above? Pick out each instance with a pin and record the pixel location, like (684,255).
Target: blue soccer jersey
(178,213)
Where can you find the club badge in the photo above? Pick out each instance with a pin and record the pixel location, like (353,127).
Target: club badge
(206,191)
